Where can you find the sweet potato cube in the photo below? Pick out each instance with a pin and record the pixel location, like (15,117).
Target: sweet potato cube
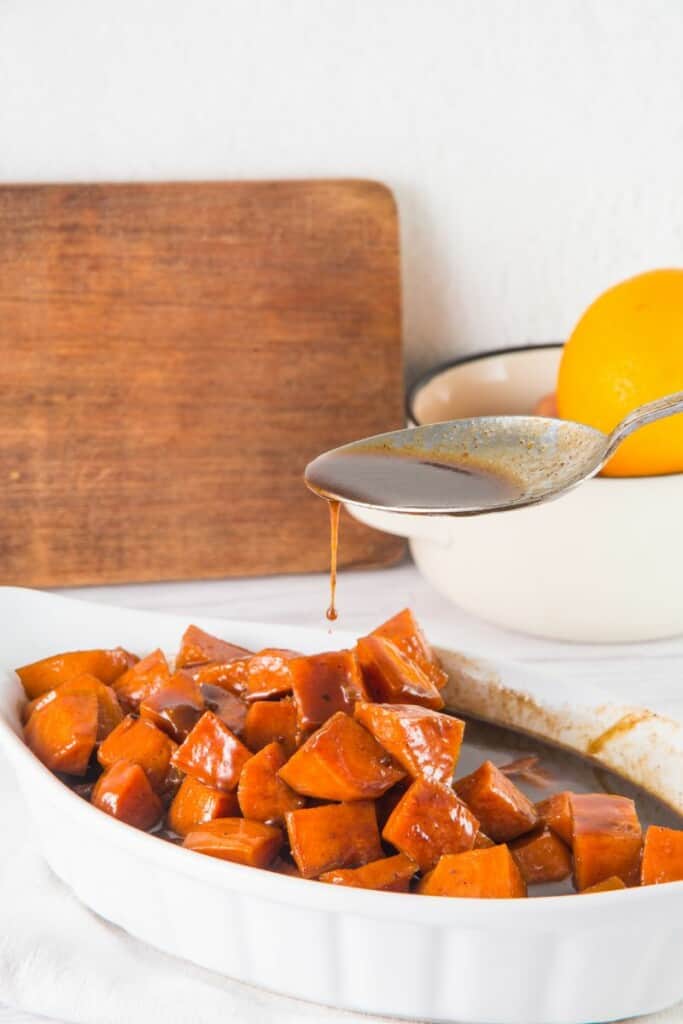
(483,874)
(62,734)
(197,646)
(609,885)
(174,706)
(428,821)
(212,754)
(324,684)
(225,705)
(556,813)
(262,794)
(607,839)
(392,874)
(267,674)
(392,678)
(341,761)
(542,857)
(662,856)
(138,740)
(333,836)
(504,812)
(229,675)
(139,681)
(237,840)
(109,712)
(423,741)
(47,674)
(268,721)
(124,792)
(403,631)
(194,804)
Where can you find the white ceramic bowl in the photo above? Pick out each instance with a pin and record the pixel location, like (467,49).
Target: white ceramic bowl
(602,564)
(565,960)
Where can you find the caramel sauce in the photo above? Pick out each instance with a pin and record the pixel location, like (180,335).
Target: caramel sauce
(335,509)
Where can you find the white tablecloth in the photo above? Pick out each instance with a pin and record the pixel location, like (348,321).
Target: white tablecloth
(651,674)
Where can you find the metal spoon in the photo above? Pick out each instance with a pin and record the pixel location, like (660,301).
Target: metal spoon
(467,467)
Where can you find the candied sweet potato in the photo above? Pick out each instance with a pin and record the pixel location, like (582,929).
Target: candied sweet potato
(47,674)
(138,740)
(556,813)
(141,679)
(423,741)
(392,874)
(428,821)
(333,836)
(403,631)
(324,684)
(267,674)
(212,754)
(504,812)
(609,885)
(237,840)
(341,761)
(197,646)
(124,792)
(175,706)
(109,712)
(607,838)
(62,734)
(542,857)
(194,804)
(262,794)
(662,856)
(483,874)
(227,706)
(269,721)
(392,678)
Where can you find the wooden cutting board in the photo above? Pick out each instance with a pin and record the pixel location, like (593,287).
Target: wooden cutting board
(173,355)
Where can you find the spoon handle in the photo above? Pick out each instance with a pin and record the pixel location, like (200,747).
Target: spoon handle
(640,417)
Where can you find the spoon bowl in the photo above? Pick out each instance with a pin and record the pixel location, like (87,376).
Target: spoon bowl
(473,466)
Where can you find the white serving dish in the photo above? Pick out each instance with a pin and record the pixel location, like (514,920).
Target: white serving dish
(604,563)
(539,961)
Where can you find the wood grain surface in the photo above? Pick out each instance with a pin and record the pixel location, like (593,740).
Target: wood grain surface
(172,357)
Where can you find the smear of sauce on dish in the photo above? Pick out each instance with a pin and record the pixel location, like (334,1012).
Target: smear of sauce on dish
(624,725)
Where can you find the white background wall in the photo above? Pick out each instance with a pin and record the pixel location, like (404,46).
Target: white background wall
(535,147)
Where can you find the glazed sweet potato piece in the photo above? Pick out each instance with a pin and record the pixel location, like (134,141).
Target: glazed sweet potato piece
(269,721)
(267,674)
(138,740)
(124,792)
(556,813)
(333,836)
(49,673)
(341,761)
(423,741)
(229,676)
(198,646)
(542,857)
(109,712)
(429,821)
(212,754)
(262,794)
(662,856)
(175,706)
(62,734)
(139,681)
(483,874)
(392,874)
(504,812)
(237,840)
(392,678)
(403,631)
(194,804)
(609,885)
(324,684)
(607,839)
(227,706)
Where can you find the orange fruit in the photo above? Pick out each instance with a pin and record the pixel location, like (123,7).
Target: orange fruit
(627,349)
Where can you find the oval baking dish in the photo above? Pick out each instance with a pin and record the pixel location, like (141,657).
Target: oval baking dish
(550,960)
